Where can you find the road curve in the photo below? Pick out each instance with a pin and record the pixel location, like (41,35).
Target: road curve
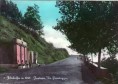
(67,71)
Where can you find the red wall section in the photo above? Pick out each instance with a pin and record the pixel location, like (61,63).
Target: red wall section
(18,54)
(26,55)
(23,55)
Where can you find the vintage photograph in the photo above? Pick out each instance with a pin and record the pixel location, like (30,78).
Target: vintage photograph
(58,42)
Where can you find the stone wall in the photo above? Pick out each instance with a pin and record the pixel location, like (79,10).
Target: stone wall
(99,73)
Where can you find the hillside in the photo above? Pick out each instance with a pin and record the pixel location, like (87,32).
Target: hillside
(46,51)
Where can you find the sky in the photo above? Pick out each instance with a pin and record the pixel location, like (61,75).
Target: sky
(49,13)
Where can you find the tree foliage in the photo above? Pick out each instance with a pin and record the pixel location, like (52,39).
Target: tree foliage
(32,18)
(10,10)
(89,26)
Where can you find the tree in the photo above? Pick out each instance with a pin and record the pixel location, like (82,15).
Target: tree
(3,7)
(14,12)
(87,25)
(32,18)
(10,11)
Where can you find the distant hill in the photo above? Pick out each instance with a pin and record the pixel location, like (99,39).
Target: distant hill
(46,51)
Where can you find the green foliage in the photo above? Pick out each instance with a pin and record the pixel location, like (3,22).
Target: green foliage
(46,51)
(10,10)
(89,26)
(113,50)
(32,18)
(3,70)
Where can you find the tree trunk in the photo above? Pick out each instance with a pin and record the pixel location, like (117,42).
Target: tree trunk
(92,58)
(84,58)
(99,58)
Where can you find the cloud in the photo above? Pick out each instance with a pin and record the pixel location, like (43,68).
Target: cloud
(57,38)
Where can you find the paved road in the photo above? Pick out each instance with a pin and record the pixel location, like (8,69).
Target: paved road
(67,71)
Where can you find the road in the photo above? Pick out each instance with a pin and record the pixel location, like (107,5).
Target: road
(67,71)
